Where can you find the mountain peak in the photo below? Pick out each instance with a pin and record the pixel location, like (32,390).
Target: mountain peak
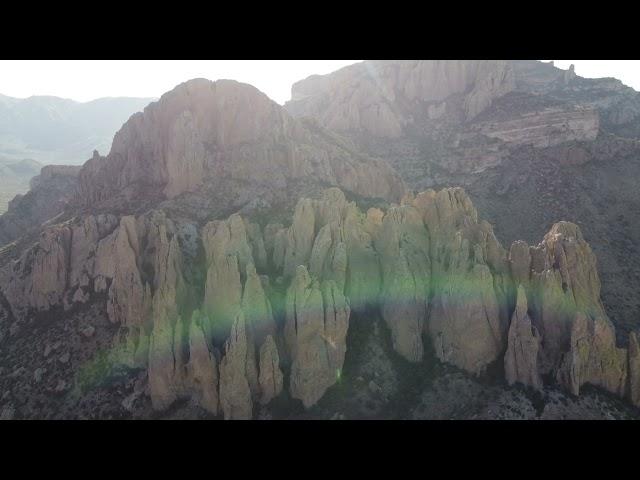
(209,134)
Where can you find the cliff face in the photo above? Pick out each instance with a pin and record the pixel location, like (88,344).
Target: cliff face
(53,130)
(383,98)
(50,192)
(206,138)
(204,150)
(548,145)
(221,314)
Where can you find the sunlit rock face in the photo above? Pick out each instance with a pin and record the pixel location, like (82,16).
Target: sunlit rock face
(550,145)
(403,243)
(564,331)
(521,359)
(226,140)
(381,97)
(471,285)
(317,316)
(230,313)
(235,393)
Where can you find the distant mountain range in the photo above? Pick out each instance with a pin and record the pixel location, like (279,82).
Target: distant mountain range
(54,130)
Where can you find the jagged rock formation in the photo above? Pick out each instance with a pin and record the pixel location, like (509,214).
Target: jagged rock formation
(549,145)
(521,359)
(202,367)
(229,147)
(565,331)
(429,266)
(316,330)
(235,394)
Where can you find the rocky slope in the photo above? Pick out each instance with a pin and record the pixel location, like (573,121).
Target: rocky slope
(14,179)
(206,149)
(46,198)
(544,144)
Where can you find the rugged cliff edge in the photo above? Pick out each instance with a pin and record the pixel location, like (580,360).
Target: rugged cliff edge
(543,144)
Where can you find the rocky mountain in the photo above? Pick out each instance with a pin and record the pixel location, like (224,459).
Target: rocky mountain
(232,315)
(54,130)
(228,260)
(15,177)
(224,145)
(205,150)
(46,198)
(540,144)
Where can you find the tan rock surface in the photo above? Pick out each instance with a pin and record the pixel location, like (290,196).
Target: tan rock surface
(235,394)
(207,136)
(521,359)
(317,320)
(271,378)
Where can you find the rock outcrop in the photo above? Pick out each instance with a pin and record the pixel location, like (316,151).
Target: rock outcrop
(202,369)
(235,394)
(317,316)
(49,194)
(593,357)
(227,144)
(271,377)
(221,313)
(382,97)
(403,243)
(549,145)
(565,331)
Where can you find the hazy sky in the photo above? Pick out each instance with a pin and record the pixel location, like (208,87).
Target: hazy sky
(85,80)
